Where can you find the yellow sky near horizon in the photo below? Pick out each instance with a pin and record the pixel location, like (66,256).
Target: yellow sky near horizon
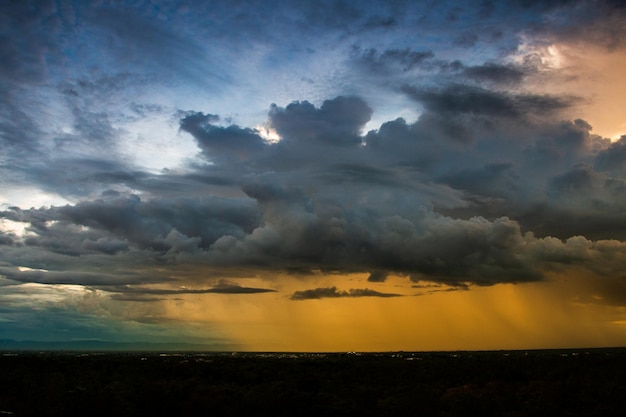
(549,314)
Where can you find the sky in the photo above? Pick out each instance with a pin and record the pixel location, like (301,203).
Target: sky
(314,175)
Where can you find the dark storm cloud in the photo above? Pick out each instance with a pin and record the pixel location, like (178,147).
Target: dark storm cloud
(613,158)
(378,276)
(352,173)
(578,180)
(157,224)
(602,258)
(6,238)
(546,175)
(82,176)
(338,121)
(306,131)
(125,232)
(295,236)
(236,289)
(494,179)
(599,22)
(433,288)
(357,209)
(466,99)
(494,72)
(332,292)
(216,141)
(562,222)
(107,246)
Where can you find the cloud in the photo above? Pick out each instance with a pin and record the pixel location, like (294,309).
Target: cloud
(236,289)
(147,224)
(466,40)
(475,250)
(27,56)
(332,292)
(494,179)
(477,101)
(325,198)
(20,134)
(215,141)
(80,177)
(377,276)
(338,121)
(68,277)
(390,60)
(495,73)
(6,238)
(595,22)
(137,40)
(134,293)
(613,158)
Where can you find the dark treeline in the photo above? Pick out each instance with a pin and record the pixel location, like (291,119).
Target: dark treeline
(533,383)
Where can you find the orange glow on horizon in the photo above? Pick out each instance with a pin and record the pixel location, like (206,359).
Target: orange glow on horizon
(504,316)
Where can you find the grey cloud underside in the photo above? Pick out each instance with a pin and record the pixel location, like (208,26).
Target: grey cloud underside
(495,73)
(332,292)
(73,277)
(465,99)
(395,63)
(130,293)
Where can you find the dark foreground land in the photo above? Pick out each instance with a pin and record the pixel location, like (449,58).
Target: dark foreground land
(532,383)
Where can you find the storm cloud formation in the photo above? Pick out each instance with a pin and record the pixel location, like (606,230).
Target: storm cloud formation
(143,150)
(324,198)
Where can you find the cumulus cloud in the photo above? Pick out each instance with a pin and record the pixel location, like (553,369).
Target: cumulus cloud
(338,121)
(397,200)
(216,141)
(612,159)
